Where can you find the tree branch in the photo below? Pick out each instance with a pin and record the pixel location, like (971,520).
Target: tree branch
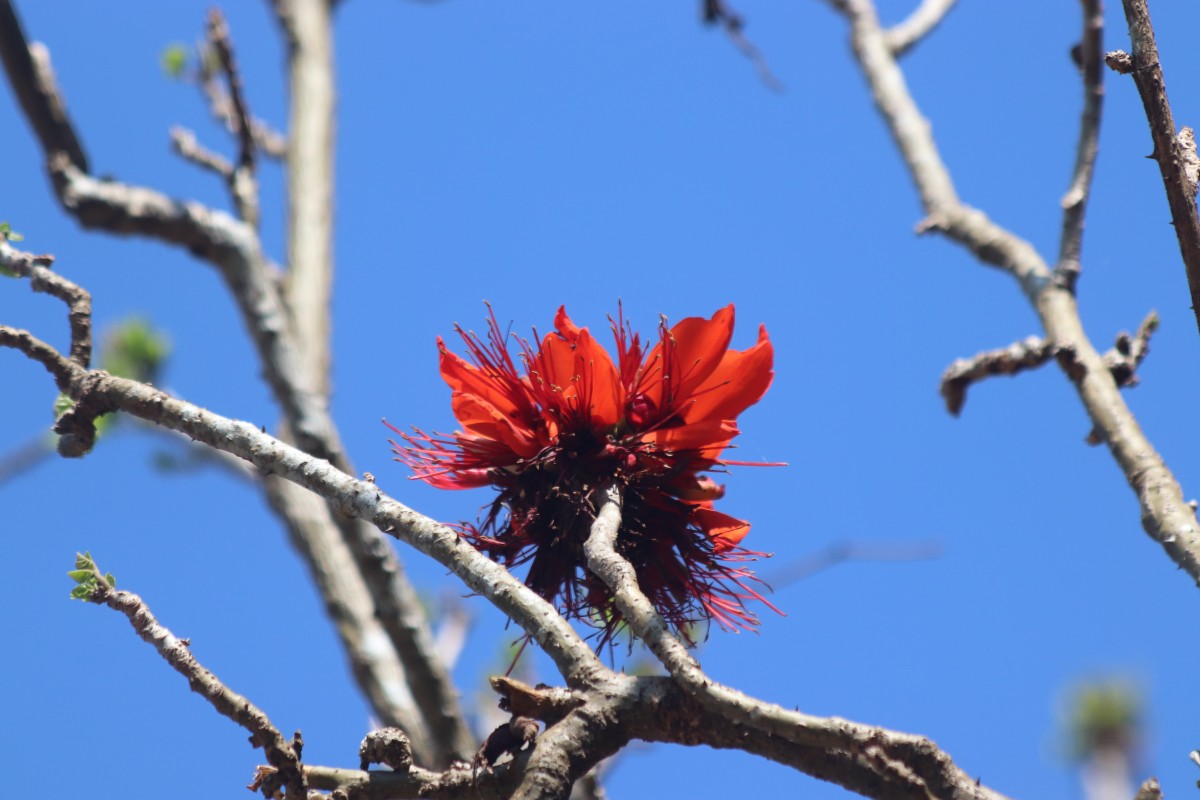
(43,279)
(1029,353)
(1074,202)
(908,766)
(1166,516)
(278,750)
(920,23)
(1176,155)
(234,247)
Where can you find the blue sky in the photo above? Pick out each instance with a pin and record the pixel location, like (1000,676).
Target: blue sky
(545,153)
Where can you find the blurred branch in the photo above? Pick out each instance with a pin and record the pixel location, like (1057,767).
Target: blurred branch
(841,552)
(25,457)
(1149,790)
(1166,516)
(281,753)
(1176,155)
(920,23)
(43,279)
(243,185)
(1089,53)
(719,12)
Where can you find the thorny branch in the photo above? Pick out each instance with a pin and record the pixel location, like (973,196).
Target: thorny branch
(1166,516)
(281,753)
(1175,154)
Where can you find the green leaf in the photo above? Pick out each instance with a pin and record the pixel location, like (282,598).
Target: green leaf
(80,575)
(134,349)
(174,60)
(81,592)
(62,404)
(108,576)
(84,560)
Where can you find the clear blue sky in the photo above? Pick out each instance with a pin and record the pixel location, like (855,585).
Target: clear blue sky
(542,153)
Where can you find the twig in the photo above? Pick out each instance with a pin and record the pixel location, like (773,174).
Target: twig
(218,36)
(185,144)
(1176,155)
(841,552)
(43,279)
(1165,515)
(1030,353)
(243,184)
(920,23)
(1149,790)
(1074,202)
(718,12)
(25,457)
(278,750)
(1128,352)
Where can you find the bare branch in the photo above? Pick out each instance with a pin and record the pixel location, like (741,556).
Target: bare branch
(1089,54)
(1166,516)
(243,184)
(42,279)
(1176,155)
(28,68)
(920,23)
(308,32)
(841,552)
(184,142)
(1128,352)
(278,750)
(1029,353)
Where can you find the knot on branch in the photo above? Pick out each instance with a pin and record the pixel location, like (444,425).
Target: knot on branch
(547,703)
(512,737)
(76,427)
(1128,352)
(1119,61)
(388,746)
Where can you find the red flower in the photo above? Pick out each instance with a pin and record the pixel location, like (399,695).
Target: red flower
(549,432)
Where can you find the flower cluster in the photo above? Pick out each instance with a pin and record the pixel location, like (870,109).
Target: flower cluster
(553,424)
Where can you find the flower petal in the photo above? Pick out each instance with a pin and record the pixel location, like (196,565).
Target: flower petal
(725,531)
(684,357)
(484,420)
(462,376)
(739,381)
(711,435)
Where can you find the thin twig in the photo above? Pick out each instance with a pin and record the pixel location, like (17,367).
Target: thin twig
(1166,517)
(278,750)
(842,552)
(186,145)
(1090,53)
(1029,353)
(43,279)
(1176,155)
(243,184)
(1129,351)
(905,35)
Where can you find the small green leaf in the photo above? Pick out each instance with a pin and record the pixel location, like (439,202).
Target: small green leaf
(174,60)
(62,404)
(80,575)
(108,576)
(81,592)
(84,560)
(134,349)
(7,273)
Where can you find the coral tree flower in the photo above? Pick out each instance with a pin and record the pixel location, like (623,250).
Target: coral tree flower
(549,427)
